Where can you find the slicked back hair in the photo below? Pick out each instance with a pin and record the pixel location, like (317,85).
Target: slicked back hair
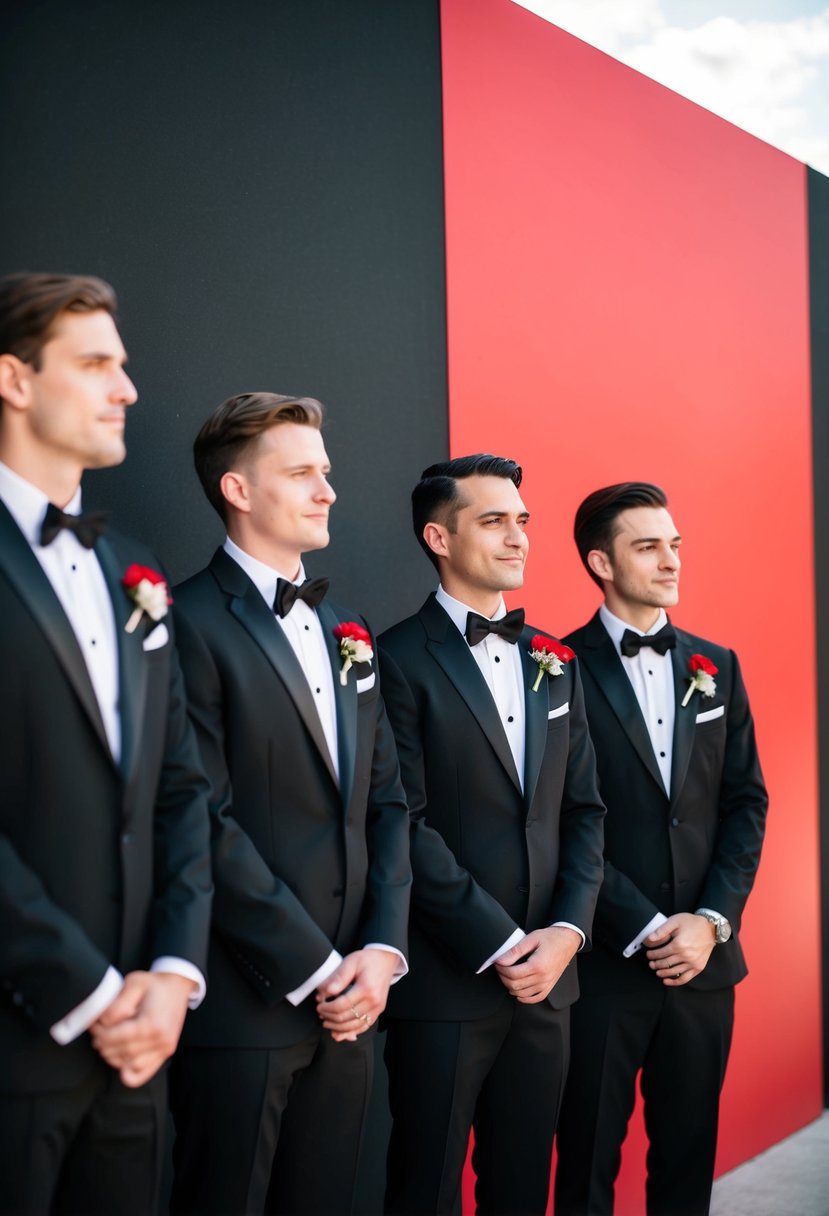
(32,304)
(595,525)
(437,498)
(233,430)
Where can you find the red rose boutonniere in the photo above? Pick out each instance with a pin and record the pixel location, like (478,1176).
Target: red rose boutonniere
(149,592)
(355,646)
(550,657)
(701,677)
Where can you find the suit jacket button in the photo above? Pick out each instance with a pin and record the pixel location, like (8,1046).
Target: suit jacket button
(674,822)
(523,890)
(127,837)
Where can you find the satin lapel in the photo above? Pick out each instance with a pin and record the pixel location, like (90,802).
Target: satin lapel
(346,699)
(603,663)
(450,651)
(685,720)
(132,667)
(27,576)
(254,615)
(536,708)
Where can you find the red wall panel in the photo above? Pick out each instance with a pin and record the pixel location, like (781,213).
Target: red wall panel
(627,298)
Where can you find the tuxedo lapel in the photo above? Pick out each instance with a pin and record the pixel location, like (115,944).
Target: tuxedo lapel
(536,709)
(132,668)
(26,575)
(600,658)
(345,696)
(251,611)
(449,649)
(685,719)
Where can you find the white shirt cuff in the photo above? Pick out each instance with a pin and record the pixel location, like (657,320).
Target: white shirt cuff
(402,967)
(636,944)
(313,982)
(514,938)
(82,1016)
(565,924)
(180,966)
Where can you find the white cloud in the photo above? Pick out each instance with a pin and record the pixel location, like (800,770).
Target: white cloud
(769,77)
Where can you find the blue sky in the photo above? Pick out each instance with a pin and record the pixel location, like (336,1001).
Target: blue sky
(762,64)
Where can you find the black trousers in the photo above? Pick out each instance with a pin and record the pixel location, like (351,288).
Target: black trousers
(680,1039)
(269,1130)
(501,1076)
(92,1150)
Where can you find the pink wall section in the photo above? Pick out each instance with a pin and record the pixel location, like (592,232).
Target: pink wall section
(627,298)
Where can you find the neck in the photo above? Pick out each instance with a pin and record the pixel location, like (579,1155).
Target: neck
(641,616)
(58,480)
(277,557)
(486,603)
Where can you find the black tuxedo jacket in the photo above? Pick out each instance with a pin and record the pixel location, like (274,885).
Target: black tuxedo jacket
(697,847)
(487,857)
(302,862)
(102,862)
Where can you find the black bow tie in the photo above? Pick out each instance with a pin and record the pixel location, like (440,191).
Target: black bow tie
(662,641)
(508,627)
(87,527)
(312,591)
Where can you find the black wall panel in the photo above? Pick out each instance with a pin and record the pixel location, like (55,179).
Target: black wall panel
(818,192)
(262,183)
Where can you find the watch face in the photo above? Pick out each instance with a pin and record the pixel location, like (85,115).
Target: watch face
(723,931)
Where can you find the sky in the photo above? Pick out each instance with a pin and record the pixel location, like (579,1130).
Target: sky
(761,64)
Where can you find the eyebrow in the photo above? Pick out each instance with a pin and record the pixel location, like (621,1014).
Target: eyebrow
(652,540)
(501,514)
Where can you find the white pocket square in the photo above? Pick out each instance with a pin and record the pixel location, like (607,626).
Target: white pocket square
(158,637)
(709,714)
(366,683)
(560,712)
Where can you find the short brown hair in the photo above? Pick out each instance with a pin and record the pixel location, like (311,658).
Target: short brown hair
(30,305)
(595,526)
(235,426)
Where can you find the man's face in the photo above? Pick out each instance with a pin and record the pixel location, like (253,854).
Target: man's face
(487,551)
(644,561)
(288,493)
(77,400)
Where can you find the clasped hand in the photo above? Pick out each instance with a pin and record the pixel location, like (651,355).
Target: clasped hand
(353,997)
(140,1029)
(680,949)
(545,954)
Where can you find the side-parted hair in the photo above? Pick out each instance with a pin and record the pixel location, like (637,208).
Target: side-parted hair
(233,430)
(31,305)
(437,498)
(595,525)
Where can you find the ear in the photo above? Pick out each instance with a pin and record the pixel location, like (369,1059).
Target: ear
(15,388)
(234,487)
(435,537)
(599,563)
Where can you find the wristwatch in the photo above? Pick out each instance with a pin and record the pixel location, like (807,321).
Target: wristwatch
(722,928)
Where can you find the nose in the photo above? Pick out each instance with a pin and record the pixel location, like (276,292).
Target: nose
(325,491)
(516,537)
(124,391)
(670,559)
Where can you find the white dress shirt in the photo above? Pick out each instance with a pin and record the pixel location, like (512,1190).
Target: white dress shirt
(78,581)
(303,631)
(652,677)
(500,665)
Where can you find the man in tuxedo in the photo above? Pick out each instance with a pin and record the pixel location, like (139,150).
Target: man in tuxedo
(506,855)
(104,843)
(310,835)
(686,807)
